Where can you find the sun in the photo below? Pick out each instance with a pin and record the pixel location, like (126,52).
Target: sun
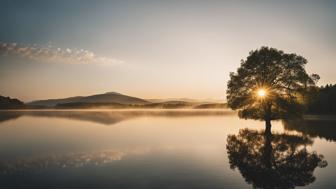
(261,93)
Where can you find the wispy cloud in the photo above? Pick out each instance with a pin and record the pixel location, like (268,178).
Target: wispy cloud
(53,54)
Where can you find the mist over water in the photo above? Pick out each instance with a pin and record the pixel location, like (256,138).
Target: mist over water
(158,149)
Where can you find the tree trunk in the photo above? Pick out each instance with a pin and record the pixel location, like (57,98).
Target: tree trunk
(268,117)
(267,150)
(267,153)
(268,126)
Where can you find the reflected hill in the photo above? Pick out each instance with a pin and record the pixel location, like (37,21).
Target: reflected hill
(322,128)
(110,117)
(268,160)
(9,115)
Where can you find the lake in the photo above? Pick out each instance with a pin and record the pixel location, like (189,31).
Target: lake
(163,149)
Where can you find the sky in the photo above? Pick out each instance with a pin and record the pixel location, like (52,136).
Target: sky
(153,49)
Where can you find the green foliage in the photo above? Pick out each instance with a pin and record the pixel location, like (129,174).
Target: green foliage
(282,75)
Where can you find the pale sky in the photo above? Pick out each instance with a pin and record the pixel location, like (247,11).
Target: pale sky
(153,49)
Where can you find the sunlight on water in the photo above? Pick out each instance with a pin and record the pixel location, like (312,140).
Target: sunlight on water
(129,149)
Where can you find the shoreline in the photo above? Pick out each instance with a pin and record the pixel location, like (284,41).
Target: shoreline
(119,109)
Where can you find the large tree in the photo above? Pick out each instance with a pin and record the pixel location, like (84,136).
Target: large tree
(269,85)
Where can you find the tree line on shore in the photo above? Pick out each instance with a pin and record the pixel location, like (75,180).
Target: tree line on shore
(321,100)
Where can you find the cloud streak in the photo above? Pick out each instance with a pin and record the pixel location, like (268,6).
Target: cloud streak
(52,54)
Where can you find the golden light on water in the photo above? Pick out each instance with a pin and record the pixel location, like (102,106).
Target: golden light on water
(261,93)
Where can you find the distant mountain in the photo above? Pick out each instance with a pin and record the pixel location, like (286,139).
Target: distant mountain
(211,106)
(169,105)
(186,100)
(110,97)
(110,100)
(162,105)
(10,103)
(159,105)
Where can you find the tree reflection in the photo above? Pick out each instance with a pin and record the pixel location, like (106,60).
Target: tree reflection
(323,128)
(269,160)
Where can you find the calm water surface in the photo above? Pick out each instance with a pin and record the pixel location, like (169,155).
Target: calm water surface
(163,149)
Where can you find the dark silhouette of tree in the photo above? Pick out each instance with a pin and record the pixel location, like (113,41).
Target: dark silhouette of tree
(269,85)
(273,161)
(10,103)
(322,100)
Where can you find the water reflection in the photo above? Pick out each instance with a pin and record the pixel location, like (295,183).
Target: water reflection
(268,160)
(70,160)
(9,115)
(109,117)
(161,149)
(323,128)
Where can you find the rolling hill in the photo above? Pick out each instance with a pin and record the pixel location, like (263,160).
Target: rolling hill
(109,97)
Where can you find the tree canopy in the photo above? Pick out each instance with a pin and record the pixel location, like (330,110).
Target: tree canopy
(269,85)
